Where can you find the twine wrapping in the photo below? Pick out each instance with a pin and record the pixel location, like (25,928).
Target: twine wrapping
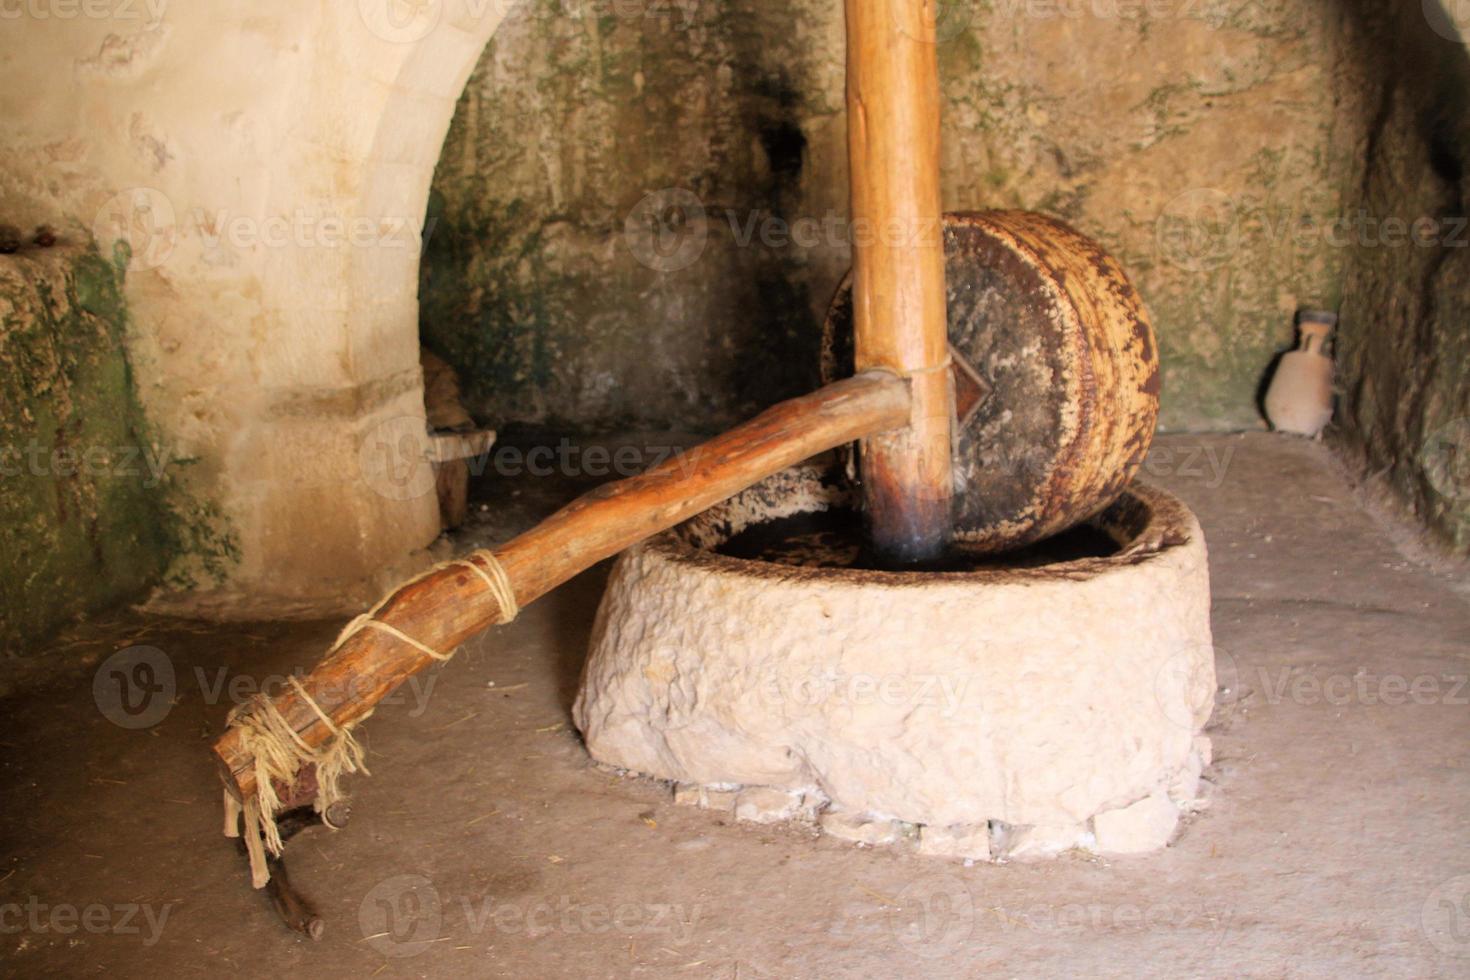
(279,754)
(278,751)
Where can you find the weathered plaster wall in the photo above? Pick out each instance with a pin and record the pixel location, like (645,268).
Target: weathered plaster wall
(269,164)
(83,515)
(1404,341)
(1206,145)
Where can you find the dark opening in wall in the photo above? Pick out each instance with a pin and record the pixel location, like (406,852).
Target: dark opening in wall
(574,137)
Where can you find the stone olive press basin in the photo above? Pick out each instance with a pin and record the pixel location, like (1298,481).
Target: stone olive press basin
(1007,710)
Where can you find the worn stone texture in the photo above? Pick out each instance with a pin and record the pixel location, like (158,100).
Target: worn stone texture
(232,150)
(766,804)
(1205,145)
(969,843)
(859,828)
(1405,318)
(531,285)
(1236,160)
(1137,828)
(1040,840)
(1334,827)
(84,516)
(1056,342)
(1082,692)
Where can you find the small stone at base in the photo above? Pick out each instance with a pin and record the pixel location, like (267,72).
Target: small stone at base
(720,800)
(858,828)
(1184,787)
(1145,826)
(971,843)
(1043,840)
(765,804)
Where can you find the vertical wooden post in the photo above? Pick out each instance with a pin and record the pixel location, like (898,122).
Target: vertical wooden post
(898,268)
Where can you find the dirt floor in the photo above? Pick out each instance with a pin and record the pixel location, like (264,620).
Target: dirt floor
(1336,841)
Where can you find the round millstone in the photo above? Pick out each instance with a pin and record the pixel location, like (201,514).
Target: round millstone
(1055,368)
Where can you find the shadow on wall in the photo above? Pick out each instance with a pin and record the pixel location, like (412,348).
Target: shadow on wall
(568,291)
(1402,361)
(596,256)
(82,512)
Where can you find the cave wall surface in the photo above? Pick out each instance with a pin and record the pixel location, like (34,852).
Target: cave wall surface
(1404,340)
(1209,146)
(84,518)
(270,169)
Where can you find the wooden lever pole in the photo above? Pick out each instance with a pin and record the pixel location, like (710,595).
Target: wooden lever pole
(899,405)
(898,269)
(446,608)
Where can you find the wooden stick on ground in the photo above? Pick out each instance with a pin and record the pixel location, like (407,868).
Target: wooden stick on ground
(898,268)
(443,610)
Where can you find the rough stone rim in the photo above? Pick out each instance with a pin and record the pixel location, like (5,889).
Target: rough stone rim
(1143,520)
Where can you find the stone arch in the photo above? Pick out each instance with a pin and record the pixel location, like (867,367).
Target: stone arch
(326,494)
(275,362)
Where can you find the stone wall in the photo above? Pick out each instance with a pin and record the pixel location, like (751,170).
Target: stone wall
(83,515)
(573,115)
(1207,145)
(1404,342)
(269,166)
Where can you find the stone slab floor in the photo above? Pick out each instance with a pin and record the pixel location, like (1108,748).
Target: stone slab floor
(1336,841)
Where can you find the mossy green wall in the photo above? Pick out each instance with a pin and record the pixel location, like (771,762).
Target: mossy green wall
(1205,144)
(82,519)
(573,115)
